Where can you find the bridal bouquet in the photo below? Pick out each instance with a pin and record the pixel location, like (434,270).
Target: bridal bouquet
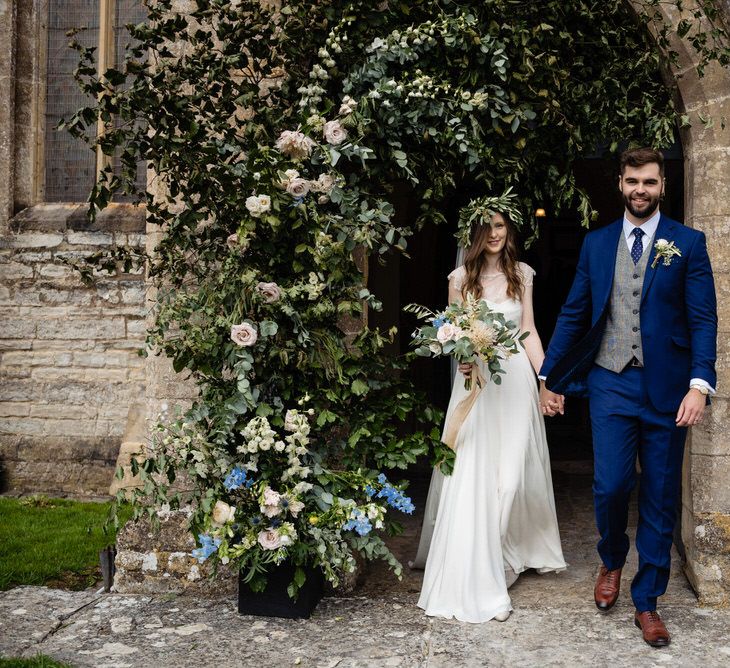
(466,332)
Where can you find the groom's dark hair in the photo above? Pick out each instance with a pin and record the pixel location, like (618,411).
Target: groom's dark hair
(638,157)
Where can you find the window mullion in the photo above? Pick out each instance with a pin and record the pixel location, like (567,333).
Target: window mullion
(107,55)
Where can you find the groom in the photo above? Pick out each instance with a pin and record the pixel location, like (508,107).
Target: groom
(638,332)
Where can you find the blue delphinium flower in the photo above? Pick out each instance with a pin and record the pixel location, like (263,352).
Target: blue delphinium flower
(394,497)
(208,546)
(437,322)
(370,491)
(358,522)
(238,477)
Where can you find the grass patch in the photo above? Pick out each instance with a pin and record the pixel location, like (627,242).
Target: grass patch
(40,661)
(54,542)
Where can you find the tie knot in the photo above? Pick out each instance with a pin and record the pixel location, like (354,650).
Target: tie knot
(638,232)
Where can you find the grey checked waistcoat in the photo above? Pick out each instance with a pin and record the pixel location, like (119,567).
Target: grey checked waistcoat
(622,337)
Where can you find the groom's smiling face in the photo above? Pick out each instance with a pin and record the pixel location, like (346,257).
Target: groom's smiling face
(642,188)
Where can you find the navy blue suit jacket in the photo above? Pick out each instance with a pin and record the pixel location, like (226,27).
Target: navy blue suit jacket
(678,316)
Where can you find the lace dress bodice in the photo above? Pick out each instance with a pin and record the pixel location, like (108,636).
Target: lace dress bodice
(494,285)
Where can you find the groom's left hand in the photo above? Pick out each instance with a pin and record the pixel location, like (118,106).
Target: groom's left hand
(691,409)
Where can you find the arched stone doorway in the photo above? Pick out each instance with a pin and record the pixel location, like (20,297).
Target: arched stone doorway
(706,148)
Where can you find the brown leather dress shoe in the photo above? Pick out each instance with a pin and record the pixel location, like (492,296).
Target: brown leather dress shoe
(652,628)
(607,588)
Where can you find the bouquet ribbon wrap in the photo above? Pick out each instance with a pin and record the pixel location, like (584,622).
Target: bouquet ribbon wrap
(463,408)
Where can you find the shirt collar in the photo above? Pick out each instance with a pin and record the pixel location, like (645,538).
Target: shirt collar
(648,227)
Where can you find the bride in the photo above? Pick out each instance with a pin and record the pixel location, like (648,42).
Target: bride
(495,515)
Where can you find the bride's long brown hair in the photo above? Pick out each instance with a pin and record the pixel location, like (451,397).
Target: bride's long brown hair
(475,260)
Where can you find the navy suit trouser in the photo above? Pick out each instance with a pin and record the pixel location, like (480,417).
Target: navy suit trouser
(624,425)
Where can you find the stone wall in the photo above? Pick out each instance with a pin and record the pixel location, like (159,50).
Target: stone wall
(69,363)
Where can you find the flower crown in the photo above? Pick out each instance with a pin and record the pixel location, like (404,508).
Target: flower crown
(482,209)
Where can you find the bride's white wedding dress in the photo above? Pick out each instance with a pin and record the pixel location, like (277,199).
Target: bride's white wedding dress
(494,517)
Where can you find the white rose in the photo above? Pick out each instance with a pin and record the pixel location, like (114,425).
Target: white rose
(661,244)
(269,539)
(448,332)
(289,175)
(298,188)
(244,334)
(285,540)
(334,133)
(223,513)
(435,348)
(270,292)
(258,205)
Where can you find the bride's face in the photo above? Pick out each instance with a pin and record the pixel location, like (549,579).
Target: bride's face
(496,234)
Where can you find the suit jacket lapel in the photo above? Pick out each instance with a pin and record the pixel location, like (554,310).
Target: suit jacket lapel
(663,231)
(608,268)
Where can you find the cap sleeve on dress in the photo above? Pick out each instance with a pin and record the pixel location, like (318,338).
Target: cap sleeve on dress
(457,277)
(528,273)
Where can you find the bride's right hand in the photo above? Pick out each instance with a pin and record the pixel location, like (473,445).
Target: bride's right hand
(465,368)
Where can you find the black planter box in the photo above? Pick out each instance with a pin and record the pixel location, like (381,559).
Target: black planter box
(274,600)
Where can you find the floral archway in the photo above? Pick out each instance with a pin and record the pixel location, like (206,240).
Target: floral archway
(275,135)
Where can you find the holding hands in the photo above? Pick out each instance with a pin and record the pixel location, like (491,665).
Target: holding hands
(551,403)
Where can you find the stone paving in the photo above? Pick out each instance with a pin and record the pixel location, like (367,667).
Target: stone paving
(555,622)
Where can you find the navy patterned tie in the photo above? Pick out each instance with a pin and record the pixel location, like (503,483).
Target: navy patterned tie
(638,248)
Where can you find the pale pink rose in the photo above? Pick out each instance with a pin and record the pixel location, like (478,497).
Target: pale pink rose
(232,241)
(298,187)
(269,539)
(323,199)
(244,334)
(270,506)
(448,332)
(223,513)
(270,291)
(334,133)
(323,184)
(294,144)
(295,507)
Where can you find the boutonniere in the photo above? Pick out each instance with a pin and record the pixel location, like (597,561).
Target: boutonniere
(665,251)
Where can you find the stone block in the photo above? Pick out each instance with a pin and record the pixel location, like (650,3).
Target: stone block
(710,437)
(45,217)
(136,327)
(710,489)
(13,328)
(62,411)
(14,408)
(708,183)
(32,240)
(90,238)
(118,217)
(81,328)
(12,271)
(58,271)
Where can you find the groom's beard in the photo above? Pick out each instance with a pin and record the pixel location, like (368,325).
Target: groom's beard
(642,213)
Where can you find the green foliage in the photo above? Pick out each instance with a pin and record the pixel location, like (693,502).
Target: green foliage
(46,540)
(38,661)
(276,141)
